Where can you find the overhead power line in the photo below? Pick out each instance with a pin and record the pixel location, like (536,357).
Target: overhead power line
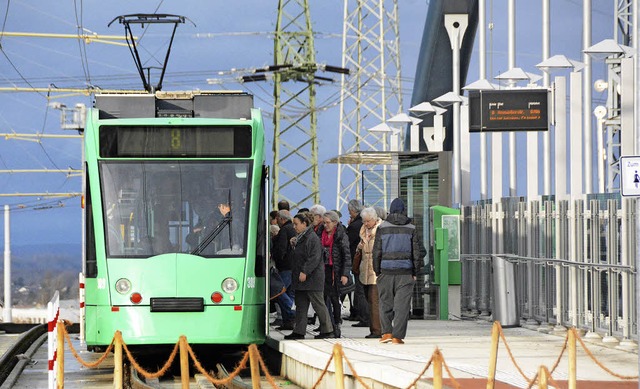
(88,38)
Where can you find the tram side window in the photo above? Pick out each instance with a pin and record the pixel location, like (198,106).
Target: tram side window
(261,249)
(91,268)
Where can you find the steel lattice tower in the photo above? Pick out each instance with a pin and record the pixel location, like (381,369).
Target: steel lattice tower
(370,49)
(623,33)
(295,146)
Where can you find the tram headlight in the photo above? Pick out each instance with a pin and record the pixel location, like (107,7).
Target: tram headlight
(123,286)
(229,285)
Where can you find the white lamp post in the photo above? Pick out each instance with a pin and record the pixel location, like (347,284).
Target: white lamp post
(600,112)
(456,25)
(454,99)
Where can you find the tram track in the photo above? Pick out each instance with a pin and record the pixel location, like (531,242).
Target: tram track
(13,361)
(24,365)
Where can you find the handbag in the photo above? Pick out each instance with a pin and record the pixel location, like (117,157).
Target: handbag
(349,287)
(357,258)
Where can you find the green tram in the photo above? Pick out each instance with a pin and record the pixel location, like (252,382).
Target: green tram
(176,219)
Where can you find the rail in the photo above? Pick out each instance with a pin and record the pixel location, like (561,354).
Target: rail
(573,261)
(10,359)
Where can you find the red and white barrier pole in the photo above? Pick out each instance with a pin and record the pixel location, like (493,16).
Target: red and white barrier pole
(53,314)
(82,310)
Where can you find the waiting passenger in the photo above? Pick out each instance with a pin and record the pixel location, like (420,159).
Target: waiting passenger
(308,280)
(396,262)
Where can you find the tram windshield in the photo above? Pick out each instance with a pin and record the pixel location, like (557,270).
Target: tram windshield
(154,208)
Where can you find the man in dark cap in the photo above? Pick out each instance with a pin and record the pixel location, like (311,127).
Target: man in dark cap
(396,260)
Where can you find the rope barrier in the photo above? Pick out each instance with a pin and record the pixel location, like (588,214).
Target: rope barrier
(263,367)
(513,360)
(324,371)
(353,371)
(451,377)
(79,358)
(415,382)
(224,381)
(564,348)
(594,359)
(542,377)
(140,369)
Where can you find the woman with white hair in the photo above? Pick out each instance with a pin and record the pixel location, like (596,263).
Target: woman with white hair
(318,212)
(370,223)
(337,260)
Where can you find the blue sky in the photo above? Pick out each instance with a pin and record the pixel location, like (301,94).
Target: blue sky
(200,52)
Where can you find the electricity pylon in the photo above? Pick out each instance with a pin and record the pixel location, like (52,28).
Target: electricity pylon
(295,145)
(370,43)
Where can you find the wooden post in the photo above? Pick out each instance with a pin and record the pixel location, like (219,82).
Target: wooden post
(337,363)
(572,358)
(542,378)
(493,357)
(60,353)
(117,361)
(437,369)
(255,366)
(184,362)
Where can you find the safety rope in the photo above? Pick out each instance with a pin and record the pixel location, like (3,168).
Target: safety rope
(437,355)
(513,360)
(353,371)
(453,380)
(241,366)
(324,371)
(594,359)
(140,369)
(90,365)
(415,382)
(263,367)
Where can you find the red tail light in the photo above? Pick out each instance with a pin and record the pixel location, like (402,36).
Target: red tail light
(135,298)
(216,297)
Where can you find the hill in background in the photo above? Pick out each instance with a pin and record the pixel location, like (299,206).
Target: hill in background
(37,271)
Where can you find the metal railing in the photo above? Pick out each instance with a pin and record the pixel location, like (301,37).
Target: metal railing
(573,261)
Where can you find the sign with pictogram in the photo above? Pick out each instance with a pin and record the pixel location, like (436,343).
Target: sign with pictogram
(630,176)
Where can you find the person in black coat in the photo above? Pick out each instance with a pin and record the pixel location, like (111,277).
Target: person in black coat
(308,279)
(335,244)
(359,307)
(282,255)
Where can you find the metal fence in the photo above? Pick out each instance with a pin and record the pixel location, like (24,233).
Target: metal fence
(573,261)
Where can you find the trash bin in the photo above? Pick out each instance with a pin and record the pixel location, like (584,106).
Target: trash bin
(505,307)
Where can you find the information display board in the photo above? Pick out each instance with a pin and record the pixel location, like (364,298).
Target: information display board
(508,110)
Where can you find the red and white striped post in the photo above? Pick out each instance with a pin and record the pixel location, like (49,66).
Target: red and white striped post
(53,314)
(82,310)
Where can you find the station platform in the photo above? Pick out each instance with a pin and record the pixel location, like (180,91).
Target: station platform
(465,346)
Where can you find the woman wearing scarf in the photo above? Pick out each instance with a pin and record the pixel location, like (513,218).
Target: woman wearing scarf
(337,259)
(370,223)
(308,279)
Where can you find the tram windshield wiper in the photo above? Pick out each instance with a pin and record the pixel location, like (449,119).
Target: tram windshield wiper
(212,235)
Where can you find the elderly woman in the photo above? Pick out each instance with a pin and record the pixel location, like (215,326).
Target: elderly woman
(337,261)
(317,211)
(308,279)
(370,223)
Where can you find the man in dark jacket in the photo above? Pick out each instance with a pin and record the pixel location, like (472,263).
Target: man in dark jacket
(396,261)
(282,255)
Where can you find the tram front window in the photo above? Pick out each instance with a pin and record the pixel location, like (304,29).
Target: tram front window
(154,208)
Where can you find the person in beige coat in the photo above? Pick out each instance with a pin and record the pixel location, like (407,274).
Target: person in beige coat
(370,223)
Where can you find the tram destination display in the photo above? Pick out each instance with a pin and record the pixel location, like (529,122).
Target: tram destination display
(168,141)
(508,110)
